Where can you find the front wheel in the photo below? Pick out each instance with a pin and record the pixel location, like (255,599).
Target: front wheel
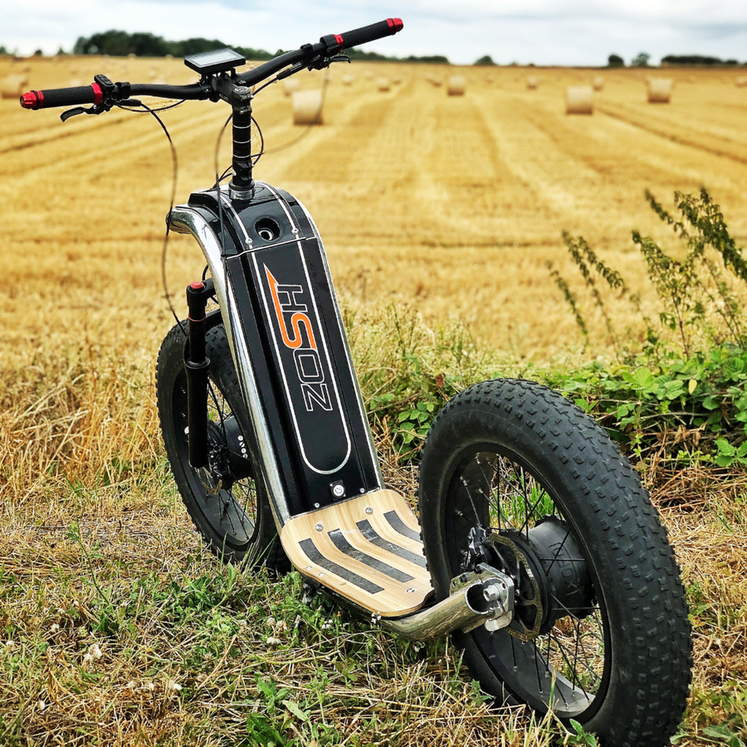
(515,476)
(226,500)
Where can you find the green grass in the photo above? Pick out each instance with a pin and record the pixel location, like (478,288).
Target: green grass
(117,628)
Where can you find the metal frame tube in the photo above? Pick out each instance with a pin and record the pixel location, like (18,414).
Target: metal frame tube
(460,610)
(184,219)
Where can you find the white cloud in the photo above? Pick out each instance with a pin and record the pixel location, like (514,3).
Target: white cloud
(574,32)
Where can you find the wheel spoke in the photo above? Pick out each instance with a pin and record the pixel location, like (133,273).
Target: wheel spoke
(518,502)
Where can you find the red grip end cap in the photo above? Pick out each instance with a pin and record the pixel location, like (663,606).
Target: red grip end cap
(31,100)
(395,24)
(198,285)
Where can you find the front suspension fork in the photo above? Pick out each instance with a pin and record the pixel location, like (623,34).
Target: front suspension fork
(197,367)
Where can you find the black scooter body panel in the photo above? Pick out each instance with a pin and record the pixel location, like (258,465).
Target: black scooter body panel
(276,267)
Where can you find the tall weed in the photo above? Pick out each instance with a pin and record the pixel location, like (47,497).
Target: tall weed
(680,393)
(699,295)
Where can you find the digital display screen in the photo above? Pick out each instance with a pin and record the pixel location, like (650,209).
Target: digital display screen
(214,62)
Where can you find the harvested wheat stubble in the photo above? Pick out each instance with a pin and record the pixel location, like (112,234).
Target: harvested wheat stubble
(457,85)
(532,83)
(659,90)
(12,86)
(383,84)
(579,100)
(290,86)
(307,107)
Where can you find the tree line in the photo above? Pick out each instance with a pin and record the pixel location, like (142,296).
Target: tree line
(121,43)
(143,44)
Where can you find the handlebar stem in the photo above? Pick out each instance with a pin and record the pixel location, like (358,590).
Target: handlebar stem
(242,183)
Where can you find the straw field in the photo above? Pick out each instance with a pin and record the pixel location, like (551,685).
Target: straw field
(449,204)
(454,203)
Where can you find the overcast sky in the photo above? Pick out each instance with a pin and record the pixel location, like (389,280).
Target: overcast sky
(560,32)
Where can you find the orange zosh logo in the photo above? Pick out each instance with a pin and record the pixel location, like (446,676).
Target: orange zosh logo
(298,335)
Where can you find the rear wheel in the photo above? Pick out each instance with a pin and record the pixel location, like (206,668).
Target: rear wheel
(515,476)
(225,500)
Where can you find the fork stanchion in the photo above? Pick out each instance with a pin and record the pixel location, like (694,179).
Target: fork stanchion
(197,366)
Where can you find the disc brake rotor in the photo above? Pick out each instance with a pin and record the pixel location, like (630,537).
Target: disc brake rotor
(550,575)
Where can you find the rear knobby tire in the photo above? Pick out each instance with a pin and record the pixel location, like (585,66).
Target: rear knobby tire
(614,652)
(236,522)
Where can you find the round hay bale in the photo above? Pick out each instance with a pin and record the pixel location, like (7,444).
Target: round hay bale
(532,83)
(290,86)
(598,83)
(579,100)
(489,78)
(741,82)
(456,86)
(396,81)
(659,90)
(307,107)
(347,80)
(369,75)
(437,82)
(12,86)
(75,83)
(383,84)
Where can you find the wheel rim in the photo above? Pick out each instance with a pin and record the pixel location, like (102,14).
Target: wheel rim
(566,664)
(228,503)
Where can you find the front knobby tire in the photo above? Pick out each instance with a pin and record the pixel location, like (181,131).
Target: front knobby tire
(601,631)
(232,514)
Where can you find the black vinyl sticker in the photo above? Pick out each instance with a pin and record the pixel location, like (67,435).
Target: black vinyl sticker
(313,554)
(372,536)
(342,544)
(399,526)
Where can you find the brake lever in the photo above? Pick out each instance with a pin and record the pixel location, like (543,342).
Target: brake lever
(99,109)
(113,93)
(72,113)
(320,62)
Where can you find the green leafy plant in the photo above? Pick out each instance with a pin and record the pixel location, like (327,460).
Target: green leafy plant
(581,737)
(681,394)
(698,294)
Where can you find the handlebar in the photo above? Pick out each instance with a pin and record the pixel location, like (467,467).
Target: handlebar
(102,91)
(94,94)
(365,34)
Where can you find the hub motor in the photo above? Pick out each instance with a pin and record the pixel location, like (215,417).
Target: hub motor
(550,574)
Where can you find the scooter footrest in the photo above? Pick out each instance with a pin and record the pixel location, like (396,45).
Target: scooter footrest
(367,549)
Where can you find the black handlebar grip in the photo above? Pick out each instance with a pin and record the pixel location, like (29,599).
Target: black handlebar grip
(62,97)
(364,34)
